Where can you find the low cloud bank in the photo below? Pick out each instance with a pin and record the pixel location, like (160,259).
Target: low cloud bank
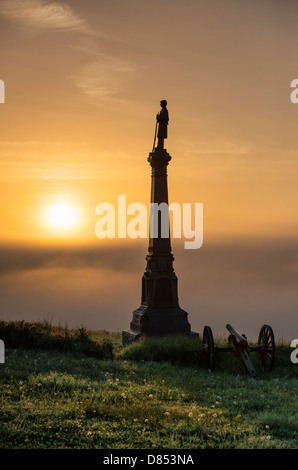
(244,284)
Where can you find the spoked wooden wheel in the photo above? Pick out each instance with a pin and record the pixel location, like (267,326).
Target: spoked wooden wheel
(266,344)
(208,348)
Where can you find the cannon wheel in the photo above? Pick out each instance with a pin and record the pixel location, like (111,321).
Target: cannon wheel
(208,347)
(266,343)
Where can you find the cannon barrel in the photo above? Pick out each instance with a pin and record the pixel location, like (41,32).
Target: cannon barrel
(239,338)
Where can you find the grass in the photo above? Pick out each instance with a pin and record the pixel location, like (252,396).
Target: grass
(45,336)
(54,398)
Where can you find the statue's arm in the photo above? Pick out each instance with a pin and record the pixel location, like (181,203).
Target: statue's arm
(162,116)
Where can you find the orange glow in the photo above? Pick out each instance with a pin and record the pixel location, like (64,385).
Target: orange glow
(82,89)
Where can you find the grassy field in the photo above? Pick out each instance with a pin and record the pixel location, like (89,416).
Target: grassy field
(78,389)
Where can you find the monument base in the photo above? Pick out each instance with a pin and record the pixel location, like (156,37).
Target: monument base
(160,320)
(129,336)
(157,322)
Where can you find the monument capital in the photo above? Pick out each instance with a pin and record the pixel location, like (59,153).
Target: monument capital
(159,155)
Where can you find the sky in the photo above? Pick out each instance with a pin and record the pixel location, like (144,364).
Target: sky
(83,82)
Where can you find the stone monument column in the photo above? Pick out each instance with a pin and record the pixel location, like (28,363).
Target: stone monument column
(159,312)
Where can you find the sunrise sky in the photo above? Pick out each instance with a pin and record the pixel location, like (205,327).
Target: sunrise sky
(83,83)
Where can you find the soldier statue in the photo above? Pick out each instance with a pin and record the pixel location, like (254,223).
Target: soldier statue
(162,119)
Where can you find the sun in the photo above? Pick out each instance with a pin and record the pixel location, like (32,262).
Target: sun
(62,217)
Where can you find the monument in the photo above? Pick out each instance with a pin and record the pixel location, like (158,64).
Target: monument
(159,312)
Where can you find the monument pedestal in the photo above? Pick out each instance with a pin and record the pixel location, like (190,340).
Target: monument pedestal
(159,313)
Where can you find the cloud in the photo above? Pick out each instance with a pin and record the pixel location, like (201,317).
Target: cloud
(268,263)
(35,143)
(41,14)
(15,259)
(246,284)
(54,161)
(216,147)
(105,78)
(102,80)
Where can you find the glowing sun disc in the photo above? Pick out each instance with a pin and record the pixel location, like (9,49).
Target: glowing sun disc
(61,217)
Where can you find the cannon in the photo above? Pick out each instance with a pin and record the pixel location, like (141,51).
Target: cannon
(237,344)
